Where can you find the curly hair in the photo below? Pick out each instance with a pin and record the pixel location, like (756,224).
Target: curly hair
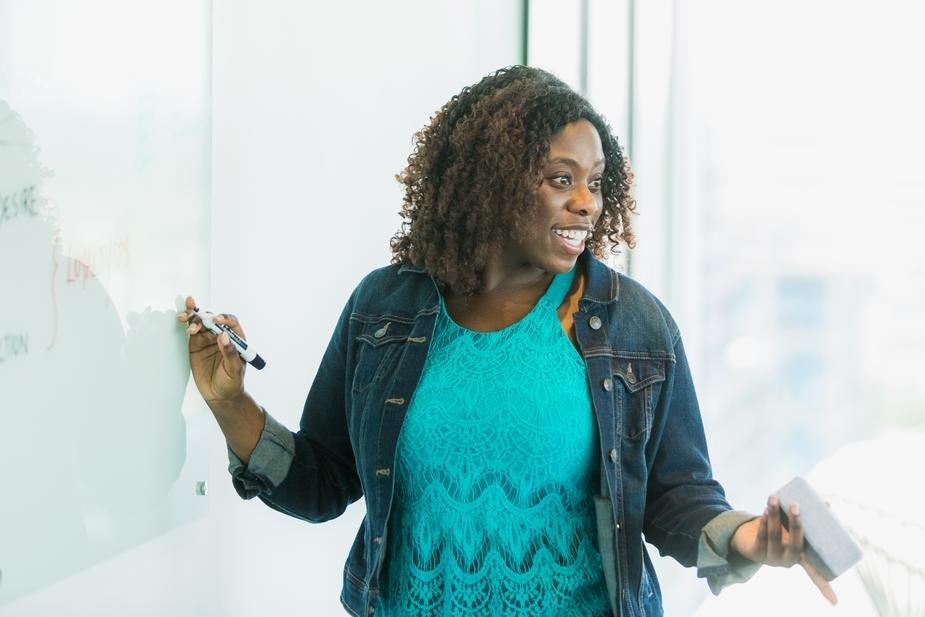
(472,179)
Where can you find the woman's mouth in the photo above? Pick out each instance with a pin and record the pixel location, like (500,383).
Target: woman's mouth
(572,241)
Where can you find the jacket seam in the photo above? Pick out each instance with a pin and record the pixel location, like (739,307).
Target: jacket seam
(354,578)
(346,605)
(603,351)
(673,533)
(377,317)
(676,336)
(371,340)
(373,318)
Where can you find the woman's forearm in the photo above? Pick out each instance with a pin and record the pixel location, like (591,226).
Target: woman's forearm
(241,420)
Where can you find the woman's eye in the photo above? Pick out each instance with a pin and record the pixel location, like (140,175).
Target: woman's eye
(561,177)
(594,184)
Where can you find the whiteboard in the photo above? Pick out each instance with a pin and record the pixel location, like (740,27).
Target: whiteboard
(104,222)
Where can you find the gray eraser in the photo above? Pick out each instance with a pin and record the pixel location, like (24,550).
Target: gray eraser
(829,546)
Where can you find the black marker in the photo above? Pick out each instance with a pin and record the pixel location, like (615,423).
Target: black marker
(240,344)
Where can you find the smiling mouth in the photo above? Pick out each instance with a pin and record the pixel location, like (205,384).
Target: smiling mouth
(571,240)
(572,236)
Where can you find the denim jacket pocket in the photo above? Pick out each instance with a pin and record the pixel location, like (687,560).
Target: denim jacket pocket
(379,345)
(641,380)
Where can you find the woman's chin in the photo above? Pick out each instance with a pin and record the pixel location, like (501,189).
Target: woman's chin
(560,264)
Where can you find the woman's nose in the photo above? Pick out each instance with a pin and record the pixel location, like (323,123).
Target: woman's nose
(583,202)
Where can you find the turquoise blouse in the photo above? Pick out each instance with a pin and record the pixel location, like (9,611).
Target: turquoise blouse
(495,468)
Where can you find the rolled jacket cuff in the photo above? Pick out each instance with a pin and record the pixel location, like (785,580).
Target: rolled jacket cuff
(714,561)
(269,462)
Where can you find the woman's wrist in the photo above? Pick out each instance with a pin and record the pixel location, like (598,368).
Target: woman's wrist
(742,538)
(235,404)
(241,420)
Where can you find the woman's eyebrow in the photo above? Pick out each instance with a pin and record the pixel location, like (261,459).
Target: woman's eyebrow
(572,162)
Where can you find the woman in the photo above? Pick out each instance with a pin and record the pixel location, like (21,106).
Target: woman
(516,413)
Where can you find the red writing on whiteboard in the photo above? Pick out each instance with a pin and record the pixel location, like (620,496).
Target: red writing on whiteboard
(97,260)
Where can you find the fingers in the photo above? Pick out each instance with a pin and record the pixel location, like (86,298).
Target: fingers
(794,547)
(775,547)
(819,581)
(187,315)
(761,545)
(232,363)
(195,323)
(782,546)
(225,346)
(232,322)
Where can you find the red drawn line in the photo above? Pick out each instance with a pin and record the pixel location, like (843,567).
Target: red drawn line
(106,257)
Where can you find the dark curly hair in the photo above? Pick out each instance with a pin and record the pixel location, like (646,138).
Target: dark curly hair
(473,176)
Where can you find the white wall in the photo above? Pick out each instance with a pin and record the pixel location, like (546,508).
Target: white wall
(314,108)
(314,114)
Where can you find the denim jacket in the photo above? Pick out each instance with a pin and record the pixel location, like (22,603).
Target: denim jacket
(655,474)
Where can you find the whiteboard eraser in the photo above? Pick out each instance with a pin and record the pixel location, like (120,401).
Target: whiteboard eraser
(829,546)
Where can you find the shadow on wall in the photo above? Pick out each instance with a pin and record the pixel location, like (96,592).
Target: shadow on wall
(93,437)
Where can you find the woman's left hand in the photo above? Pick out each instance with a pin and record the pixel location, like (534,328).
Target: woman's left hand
(765,540)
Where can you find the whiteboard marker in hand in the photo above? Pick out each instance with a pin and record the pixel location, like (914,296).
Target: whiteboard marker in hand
(240,344)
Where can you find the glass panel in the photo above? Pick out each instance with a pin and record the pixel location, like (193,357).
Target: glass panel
(793,194)
(104,220)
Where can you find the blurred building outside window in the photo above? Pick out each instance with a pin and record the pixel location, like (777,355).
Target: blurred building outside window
(778,157)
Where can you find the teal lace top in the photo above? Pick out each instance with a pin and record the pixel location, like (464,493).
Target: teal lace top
(494,471)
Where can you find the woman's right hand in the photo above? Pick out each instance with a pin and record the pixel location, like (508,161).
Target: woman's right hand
(217,368)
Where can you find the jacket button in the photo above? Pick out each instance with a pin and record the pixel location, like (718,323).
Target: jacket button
(613,455)
(381,331)
(371,610)
(383,472)
(378,539)
(608,384)
(616,525)
(595,322)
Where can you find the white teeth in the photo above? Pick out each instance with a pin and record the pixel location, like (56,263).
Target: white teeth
(572,234)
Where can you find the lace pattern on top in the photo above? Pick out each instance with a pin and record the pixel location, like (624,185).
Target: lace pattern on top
(495,468)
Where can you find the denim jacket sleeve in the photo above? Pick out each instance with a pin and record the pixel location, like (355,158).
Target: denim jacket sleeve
(269,462)
(310,475)
(682,495)
(714,560)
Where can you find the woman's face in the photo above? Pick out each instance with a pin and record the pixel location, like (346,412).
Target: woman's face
(570,199)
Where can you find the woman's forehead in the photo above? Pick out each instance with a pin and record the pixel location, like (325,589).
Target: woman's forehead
(577,141)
